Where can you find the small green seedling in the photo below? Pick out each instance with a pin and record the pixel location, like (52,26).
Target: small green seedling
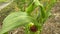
(33,25)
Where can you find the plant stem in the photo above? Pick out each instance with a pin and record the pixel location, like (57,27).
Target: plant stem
(30,8)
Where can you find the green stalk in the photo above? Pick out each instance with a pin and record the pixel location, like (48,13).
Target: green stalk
(30,8)
(43,12)
(50,5)
(6,33)
(33,5)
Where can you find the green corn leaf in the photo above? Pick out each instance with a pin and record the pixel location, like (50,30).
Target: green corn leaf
(30,8)
(42,11)
(37,3)
(14,20)
(49,5)
(33,5)
(45,10)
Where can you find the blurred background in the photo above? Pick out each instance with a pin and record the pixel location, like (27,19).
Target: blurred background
(51,26)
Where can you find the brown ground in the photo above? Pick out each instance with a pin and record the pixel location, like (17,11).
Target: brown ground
(52,25)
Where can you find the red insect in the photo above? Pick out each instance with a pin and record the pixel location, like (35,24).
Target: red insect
(33,28)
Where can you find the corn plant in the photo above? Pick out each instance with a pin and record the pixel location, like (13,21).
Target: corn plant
(32,24)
